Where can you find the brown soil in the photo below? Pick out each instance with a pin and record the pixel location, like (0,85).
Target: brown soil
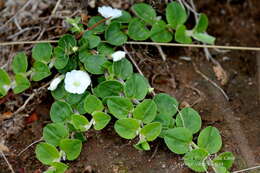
(235,23)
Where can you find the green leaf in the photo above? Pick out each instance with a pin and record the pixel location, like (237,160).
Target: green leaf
(137,30)
(190,119)
(196,160)
(136,87)
(142,145)
(42,52)
(101,120)
(108,88)
(123,68)
(114,35)
(71,65)
(145,12)
(145,111)
(21,83)
(160,33)
(4,77)
(20,63)
(46,153)
(99,28)
(166,121)
(40,71)
(60,111)
(105,49)
(67,42)
(92,104)
(53,133)
(166,104)
(80,122)
(204,37)
(125,18)
(93,41)
(80,105)
(151,131)
(175,14)
(5,83)
(72,148)
(178,140)
(60,92)
(120,107)
(221,169)
(74,99)
(181,35)
(83,55)
(210,139)
(202,24)
(59,167)
(61,58)
(94,64)
(225,159)
(127,128)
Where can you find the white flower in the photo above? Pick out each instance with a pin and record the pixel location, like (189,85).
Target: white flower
(55,82)
(118,55)
(107,12)
(77,81)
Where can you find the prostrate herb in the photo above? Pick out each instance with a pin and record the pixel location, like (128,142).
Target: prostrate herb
(117,92)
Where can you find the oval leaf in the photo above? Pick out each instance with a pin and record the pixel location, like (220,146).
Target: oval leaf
(137,30)
(160,32)
(145,12)
(42,52)
(60,111)
(196,160)
(178,140)
(166,104)
(210,140)
(101,120)
(151,131)
(119,107)
(53,133)
(94,64)
(127,128)
(123,69)
(225,159)
(72,148)
(61,58)
(175,14)
(80,122)
(114,35)
(46,153)
(20,63)
(190,119)
(108,88)
(21,83)
(181,35)
(92,103)
(145,111)
(136,87)
(40,71)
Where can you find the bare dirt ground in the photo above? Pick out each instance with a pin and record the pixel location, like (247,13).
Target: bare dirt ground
(234,22)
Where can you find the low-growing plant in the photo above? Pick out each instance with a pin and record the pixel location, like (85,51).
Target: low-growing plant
(95,83)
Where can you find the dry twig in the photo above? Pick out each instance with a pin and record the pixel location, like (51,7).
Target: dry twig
(26,148)
(9,165)
(208,79)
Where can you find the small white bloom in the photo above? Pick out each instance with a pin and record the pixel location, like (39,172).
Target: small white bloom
(55,82)
(118,55)
(107,12)
(77,81)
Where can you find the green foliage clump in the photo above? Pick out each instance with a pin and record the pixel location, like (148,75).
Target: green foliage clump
(117,92)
